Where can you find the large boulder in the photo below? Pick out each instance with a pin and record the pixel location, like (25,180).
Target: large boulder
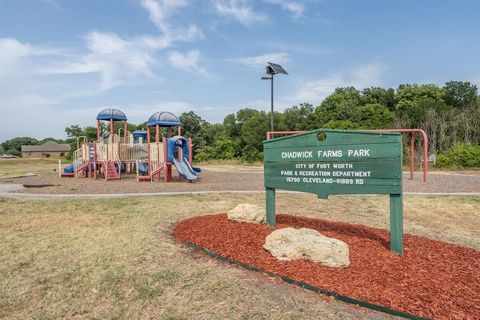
(246,212)
(293,244)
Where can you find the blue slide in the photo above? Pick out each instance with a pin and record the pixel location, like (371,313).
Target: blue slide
(185,169)
(69,169)
(143,168)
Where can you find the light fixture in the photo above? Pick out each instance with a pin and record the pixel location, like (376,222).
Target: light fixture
(273,69)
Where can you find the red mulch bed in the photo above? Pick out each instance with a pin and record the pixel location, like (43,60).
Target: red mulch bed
(433,279)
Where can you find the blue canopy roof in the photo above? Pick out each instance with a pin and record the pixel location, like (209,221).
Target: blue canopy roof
(163,119)
(112,113)
(139,133)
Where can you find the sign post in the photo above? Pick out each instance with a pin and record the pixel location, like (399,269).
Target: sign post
(333,162)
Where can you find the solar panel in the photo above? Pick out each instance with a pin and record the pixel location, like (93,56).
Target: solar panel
(274,68)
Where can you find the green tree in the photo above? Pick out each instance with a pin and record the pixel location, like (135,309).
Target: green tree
(191,122)
(412,102)
(212,132)
(385,97)
(461,94)
(340,105)
(232,128)
(223,148)
(51,139)
(247,129)
(14,146)
(254,130)
(74,131)
(375,116)
(341,124)
(193,127)
(298,118)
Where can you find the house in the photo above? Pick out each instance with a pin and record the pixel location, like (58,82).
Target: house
(49,149)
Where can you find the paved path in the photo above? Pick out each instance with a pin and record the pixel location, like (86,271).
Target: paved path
(52,187)
(32,196)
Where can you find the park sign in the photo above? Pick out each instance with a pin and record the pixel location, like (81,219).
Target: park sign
(337,162)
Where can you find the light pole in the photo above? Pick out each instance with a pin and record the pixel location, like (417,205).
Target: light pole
(272,69)
(271,100)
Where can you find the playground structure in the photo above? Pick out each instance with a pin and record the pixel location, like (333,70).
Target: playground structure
(113,155)
(412,132)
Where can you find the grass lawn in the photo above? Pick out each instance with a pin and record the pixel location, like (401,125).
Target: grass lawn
(116,258)
(19,167)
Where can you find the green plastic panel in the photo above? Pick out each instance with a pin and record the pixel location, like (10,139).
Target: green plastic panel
(344,162)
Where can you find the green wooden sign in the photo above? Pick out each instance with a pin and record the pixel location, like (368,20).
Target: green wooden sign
(332,162)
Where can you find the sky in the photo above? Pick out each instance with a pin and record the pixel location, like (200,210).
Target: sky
(63,61)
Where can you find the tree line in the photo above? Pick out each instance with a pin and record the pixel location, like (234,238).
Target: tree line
(449,114)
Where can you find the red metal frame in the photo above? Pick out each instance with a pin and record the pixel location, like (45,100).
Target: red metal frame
(98,130)
(270,134)
(190,156)
(94,159)
(148,154)
(125,132)
(413,132)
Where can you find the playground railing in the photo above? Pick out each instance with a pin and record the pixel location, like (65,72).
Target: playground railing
(101,151)
(80,157)
(116,158)
(133,152)
(113,151)
(115,139)
(156,157)
(77,158)
(128,139)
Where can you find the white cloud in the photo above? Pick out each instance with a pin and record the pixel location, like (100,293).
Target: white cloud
(16,56)
(239,10)
(363,76)
(159,12)
(294,7)
(12,53)
(188,61)
(43,82)
(259,62)
(116,59)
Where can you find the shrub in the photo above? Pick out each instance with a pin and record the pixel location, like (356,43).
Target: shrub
(460,155)
(222,149)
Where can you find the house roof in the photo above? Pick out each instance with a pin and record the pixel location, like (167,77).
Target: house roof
(49,146)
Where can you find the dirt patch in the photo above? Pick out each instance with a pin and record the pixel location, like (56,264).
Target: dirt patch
(432,279)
